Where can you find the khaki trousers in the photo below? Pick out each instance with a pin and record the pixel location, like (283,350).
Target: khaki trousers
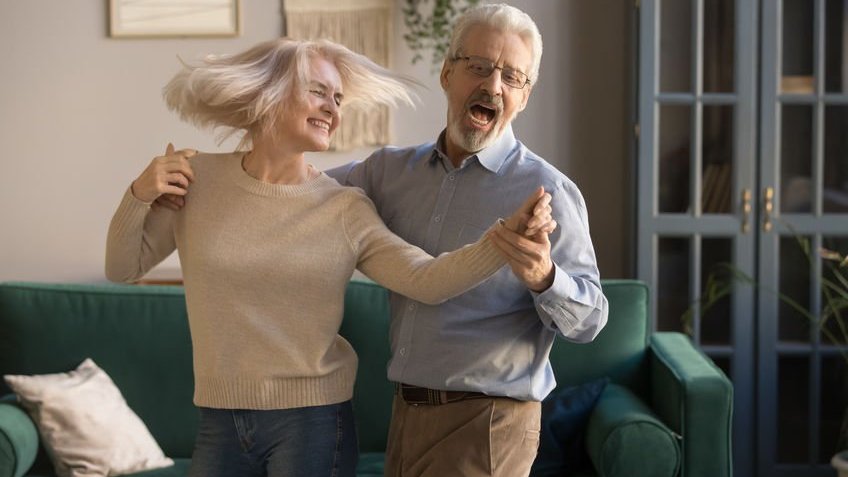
(493,437)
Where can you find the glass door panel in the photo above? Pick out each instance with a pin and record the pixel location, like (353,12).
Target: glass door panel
(674,158)
(794,281)
(793,414)
(836,47)
(717,174)
(798,29)
(796,148)
(835,194)
(673,284)
(833,393)
(716,254)
(719,45)
(676,46)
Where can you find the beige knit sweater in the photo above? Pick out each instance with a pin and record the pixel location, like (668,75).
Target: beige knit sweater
(265,268)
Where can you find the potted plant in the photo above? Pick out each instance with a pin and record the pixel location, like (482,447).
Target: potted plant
(831,320)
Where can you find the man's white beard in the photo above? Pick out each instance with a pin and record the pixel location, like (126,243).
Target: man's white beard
(471,141)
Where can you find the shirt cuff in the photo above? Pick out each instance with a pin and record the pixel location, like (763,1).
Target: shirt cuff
(562,287)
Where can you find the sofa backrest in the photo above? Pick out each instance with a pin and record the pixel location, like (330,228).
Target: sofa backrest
(137,334)
(619,351)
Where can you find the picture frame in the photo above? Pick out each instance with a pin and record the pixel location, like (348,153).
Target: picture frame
(162,19)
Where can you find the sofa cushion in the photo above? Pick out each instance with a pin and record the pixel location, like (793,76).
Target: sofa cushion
(564,417)
(619,351)
(86,424)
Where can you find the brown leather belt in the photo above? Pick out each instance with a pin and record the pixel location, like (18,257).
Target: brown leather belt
(416,396)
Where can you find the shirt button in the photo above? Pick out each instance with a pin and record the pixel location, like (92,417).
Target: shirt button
(402,351)
(411,306)
(438,218)
(451,177)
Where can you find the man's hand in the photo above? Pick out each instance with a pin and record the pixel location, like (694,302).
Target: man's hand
(523,239)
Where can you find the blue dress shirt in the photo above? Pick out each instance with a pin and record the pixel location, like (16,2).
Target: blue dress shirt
(496,338)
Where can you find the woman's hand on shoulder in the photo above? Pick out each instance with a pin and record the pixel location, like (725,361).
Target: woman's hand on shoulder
(167,174)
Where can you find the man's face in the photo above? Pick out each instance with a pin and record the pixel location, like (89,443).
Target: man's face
(479,109)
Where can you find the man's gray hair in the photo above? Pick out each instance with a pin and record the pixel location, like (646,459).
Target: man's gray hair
(502,17)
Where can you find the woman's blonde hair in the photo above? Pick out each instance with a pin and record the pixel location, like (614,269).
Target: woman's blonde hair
(248,91)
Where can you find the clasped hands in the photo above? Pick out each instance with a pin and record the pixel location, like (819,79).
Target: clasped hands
(523,240)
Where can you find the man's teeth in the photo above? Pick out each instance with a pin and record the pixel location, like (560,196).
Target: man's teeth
(321,124)
(479,117)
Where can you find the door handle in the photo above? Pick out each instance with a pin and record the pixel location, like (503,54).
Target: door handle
(768,208)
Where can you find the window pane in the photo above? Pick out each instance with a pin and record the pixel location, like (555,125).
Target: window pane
(834,316)
(673,283)
(835,192)
(836,46)
(796,147)
(798,17)
(793,409)
(719,45)
(717,175)
(675,133)
(676,45)
(794,280)
(715,322)
(833,396)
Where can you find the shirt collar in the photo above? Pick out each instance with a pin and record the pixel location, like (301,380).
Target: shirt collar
(492,157)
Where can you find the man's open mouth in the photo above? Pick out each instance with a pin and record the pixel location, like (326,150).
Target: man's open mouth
(481,113)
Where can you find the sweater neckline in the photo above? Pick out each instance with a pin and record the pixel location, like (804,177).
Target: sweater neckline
(255,186)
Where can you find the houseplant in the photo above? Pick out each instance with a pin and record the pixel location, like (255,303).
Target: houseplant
(831,320)
(429,24)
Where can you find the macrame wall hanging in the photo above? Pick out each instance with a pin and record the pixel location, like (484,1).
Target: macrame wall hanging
(364,26)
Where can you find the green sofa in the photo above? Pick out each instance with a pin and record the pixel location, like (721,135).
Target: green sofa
(667,410)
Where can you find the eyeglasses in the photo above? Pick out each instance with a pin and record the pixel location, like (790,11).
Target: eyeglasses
(483,67)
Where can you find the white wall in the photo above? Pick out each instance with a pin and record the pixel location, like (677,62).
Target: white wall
(82,115)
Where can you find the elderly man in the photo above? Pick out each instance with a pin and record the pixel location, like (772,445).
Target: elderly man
(471,373)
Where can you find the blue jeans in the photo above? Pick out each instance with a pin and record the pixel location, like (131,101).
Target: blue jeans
(302,442)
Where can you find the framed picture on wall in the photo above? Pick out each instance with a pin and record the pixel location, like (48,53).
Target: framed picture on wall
(186,18)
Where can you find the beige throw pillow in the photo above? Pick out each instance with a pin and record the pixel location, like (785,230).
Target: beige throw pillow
(86,425)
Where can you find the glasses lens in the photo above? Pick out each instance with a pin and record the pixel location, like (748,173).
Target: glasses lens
(480,66)
(513,78)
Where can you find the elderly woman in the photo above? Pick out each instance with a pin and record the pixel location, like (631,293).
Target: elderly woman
(267,244)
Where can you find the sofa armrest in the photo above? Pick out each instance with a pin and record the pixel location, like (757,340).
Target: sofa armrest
(622,431)
(18,439)
(694,397)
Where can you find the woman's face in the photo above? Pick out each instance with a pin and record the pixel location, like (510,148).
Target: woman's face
(314,117)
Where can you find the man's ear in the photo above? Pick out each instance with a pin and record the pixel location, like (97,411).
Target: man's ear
(447,67)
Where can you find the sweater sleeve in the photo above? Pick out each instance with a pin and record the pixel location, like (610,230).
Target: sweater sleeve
(139,238)
(406,269)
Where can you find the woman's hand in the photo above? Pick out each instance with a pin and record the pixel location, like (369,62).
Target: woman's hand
(168,174)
